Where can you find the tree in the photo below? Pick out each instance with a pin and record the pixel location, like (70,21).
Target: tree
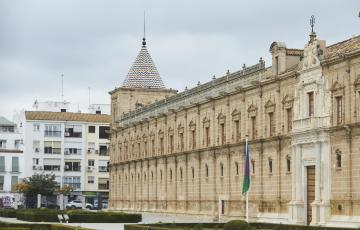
(43,184)
(65,190)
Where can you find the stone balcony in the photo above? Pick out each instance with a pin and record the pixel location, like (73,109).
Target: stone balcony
(310,123)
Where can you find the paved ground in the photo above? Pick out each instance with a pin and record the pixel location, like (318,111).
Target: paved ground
(148,218)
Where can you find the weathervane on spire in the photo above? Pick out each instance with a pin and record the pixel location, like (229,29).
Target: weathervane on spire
(144,39)
(312,23)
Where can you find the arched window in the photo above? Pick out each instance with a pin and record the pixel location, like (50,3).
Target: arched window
(221,169)
(138,176)
(170,174)
(160,175)
(270,161)
(144,177)
(237,168)
(181,174)
(152,176)
(207,170)
(288,163)
(338,158)
(193,172)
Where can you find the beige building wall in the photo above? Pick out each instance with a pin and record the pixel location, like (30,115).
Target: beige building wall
(186,154)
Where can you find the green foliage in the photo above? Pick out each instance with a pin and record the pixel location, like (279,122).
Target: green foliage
(79,216)
(37,215)
(237,225)
(198,227)
(8,212)
(43,184)
(65,227)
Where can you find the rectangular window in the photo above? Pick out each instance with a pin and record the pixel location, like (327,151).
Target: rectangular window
(237,131)
(222,133)
(153,147)
(276,65)
(289,119)
(103,166)
(52,164)
(1,183)
(2,164)
(73,182)
(91,147)
(72,166)
(17,144)
(193,138)
(253,127)
(36,127)
(15,164)
(91,162)
(91,129)
(52,147)
(14,181)
(271,124)
(161,145)
(181,136)
(103,183)
(104,132)
(171,143)
(103,149)
(74,131)
(91,179)
(52,130)
(36,146)
(339,110)
(311,103)
(2,144)
(207,136)
(145,148)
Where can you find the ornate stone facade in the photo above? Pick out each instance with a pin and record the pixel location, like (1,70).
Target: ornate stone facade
(185,153)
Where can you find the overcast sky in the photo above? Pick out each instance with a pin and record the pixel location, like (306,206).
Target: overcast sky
(93,43)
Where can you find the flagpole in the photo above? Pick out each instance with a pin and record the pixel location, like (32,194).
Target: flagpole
(247,193)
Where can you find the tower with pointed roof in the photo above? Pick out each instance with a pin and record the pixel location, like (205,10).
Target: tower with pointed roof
(142,86)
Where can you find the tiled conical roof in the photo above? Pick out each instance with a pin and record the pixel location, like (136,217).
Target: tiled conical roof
(143,73)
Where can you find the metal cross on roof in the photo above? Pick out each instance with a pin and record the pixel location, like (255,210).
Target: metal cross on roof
(312,23)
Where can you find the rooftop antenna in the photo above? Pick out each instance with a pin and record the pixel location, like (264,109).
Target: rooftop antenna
(144,39)
(62,87)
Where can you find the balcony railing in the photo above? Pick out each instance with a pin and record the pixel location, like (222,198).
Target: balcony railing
(50,133)
(72,169)
(74,185)
(52,150)
(311,123)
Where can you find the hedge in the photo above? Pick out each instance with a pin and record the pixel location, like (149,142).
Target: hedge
(8,212)
(29,226)
(37,215)
(237,225)
(102,217)
(291,227)
(172,226)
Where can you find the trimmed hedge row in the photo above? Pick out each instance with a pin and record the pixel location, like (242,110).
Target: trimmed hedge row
(37,215)
(176,226)
(8,212)
(103,217)
(23,226)
(291,227)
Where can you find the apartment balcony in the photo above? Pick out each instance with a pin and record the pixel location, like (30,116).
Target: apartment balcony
(73,134)
(72,169)
(103,169)
(103,186)
(72,151)
(48,150)
(49,133)
(75,186)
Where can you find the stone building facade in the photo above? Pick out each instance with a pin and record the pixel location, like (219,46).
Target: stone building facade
(185,153)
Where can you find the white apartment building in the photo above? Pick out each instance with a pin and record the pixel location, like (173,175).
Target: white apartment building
(72,146)
(11,155)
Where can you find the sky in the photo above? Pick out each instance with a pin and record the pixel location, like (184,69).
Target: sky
(94,43)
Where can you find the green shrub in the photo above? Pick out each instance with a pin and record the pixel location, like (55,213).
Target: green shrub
(102,217)
(237,225)
(8,212)
(7,228)
(38,215)
(65,227)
